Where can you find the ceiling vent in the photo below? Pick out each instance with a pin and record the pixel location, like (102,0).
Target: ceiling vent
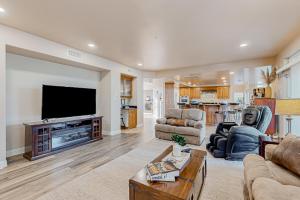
(74,54)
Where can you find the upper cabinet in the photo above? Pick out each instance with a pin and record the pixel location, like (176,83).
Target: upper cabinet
(223,93)
(126,86)
(195,92)
(184,91)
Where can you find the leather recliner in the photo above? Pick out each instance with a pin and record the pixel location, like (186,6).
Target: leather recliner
(234,142)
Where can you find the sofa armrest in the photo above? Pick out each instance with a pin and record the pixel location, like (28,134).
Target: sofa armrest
(269,149)
(161,121)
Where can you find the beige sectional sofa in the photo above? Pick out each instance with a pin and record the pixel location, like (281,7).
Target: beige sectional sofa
(271,180)
(189,123)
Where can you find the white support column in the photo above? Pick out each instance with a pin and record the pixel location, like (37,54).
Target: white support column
(3,162)
(110,102)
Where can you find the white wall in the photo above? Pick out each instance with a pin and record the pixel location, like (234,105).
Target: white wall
(158,97)
(3,162)
(288,87)
(24,79)
(295,93)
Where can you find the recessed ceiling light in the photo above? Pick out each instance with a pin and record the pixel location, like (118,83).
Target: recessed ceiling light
(2,10)
(223,78)
(91,45)
(189,82)
(244,45)
(140,64)
(231,73)
(224,81)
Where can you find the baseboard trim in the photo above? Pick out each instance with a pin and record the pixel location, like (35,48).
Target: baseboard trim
(116,132)
(3,164)
(14,152)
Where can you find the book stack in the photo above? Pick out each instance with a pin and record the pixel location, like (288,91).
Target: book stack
(168,169)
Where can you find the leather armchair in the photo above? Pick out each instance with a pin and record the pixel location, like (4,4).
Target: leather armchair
(234,142)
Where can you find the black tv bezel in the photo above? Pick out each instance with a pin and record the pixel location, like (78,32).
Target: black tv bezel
(61,86)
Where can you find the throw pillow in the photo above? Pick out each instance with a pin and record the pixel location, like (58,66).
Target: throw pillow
(176,122)
(287,154)
(161,121)
(198,125)
(190,122)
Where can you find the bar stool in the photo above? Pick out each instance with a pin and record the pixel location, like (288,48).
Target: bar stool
(234,113)
(220,115)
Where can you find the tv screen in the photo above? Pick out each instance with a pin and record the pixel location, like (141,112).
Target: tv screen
(61,101)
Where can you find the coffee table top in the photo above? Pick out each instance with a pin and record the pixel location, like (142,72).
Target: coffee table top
(183,184)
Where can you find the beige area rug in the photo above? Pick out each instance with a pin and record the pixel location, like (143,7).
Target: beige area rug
(110,181)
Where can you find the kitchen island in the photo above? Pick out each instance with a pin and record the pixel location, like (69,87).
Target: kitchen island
(210,108)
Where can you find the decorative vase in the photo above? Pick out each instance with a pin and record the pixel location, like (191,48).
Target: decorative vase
(268,92)
(177,150)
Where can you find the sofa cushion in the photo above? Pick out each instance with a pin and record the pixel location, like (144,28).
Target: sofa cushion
(270,189)
(173,113)
(165,128)
(187,131)
(193,114)
(283,175)
(287,154)
(254,167)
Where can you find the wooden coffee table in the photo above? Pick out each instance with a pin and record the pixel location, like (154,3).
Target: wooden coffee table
(187,186)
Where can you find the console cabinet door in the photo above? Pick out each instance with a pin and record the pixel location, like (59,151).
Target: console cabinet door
(97,128)
(42,140)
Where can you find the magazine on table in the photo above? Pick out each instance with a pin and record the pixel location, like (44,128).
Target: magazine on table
(180,161)
(168,169)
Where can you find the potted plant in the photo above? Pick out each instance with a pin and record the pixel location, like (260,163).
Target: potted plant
(179,143)
(269,76)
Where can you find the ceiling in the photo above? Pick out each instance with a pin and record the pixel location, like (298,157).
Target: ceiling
(161,34)
(212,77)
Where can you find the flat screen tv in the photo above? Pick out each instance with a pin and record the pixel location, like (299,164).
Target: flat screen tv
(59,101)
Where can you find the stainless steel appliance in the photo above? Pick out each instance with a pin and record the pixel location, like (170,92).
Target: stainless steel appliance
(184,99)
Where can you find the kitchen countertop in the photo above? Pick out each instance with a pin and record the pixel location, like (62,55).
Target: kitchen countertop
(128,107)
(207,104)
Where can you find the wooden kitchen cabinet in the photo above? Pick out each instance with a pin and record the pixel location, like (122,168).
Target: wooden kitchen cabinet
(132,118)
(223,93)
(195,93)
(185,91)
(129,118)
